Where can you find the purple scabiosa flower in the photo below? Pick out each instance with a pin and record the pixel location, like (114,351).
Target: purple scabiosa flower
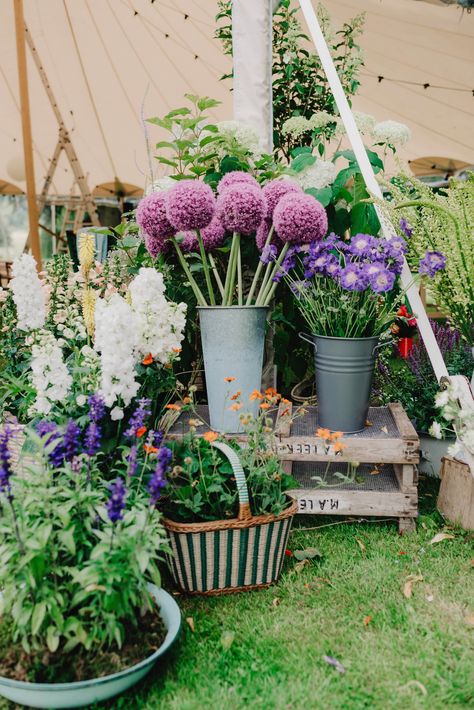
(241,208)
(151,217)
(5,466)
(136,424)
(354,277)
(274,190)
(158,481)
(297,287)
(288,263)
(132,462)
(395,247)
(395,264)
(235,177)
(382,280)
(361,244)
(431,263)
(116,503)
(92,439)
(71,436)
(300,219)
(50,432)
(333,267)
(269,254)
(212,236)
(405,227)
(190,204)
(96,407)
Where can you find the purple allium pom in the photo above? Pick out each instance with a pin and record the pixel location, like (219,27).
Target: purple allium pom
(241,208)
(233,178)
(212,236)
(274,190)
(92,439)
(354,278)
(432,262)
(96,407)
(262,233)
(5,466)
(190,204)
(71,436)
(138,418)
(382,281)
(158,480)
(151,216)
(300,219)
(116,502)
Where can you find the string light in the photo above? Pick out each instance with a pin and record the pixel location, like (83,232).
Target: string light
(423,84)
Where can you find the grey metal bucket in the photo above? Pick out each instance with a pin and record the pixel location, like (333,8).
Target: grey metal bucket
(233,341)
(344,371)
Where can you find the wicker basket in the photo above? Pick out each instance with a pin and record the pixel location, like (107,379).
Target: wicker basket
(234,555)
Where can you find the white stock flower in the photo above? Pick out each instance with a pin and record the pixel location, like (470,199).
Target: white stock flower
(160,322)
(116,337)
(392,133)
(49,374)
(321,174)
(435,430)
(162,183)
(28,293)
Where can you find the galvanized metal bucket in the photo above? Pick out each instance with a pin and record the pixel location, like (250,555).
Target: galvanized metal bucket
(233,341)
(344,371)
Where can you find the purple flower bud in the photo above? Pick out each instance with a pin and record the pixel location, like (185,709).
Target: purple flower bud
(132,462)
(92,439)
(71,436)
(116,502)
(405,227)
(50,432)
(158,481)
(96,407)
(138,418)
(5,456)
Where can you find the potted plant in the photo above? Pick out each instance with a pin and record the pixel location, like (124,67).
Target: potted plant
(226,509)
(82,614)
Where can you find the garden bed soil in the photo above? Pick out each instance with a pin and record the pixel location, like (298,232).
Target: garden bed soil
(79,664)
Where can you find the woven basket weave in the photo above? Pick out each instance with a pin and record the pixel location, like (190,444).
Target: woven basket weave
(224,556)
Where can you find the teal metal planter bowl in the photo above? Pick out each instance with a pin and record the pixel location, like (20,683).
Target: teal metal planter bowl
(86,692)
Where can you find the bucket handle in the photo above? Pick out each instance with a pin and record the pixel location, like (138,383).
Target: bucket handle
(381,345)
(306,338)
(244,506)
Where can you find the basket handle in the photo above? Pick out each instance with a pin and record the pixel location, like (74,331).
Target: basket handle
(244,506)
(307,338)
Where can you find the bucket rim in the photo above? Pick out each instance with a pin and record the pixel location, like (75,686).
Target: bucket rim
(350,340)
(232,308)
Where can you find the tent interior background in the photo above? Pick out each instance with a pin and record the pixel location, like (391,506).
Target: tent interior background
(111,63)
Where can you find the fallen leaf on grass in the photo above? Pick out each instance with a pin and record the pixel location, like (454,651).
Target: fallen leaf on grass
(384,429)
(308,554)
(429,597)
(334,662)
(440,537)
(375,471)
(190,623)
(361,544)
(275,602)
(227,639)
(367,620)
(410,581)
(472,563)
(299,566)
(416,684)
(470,619)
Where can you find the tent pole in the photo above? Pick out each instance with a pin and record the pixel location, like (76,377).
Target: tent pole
(26,129)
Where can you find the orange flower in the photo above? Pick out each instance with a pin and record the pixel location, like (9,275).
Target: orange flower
(338,446)
(177,350)
(335,435)
(323,433)
(236,395)
(210,436)
(141,431)
(229,379)
(265,405)
(174,407)
(256,395)
(235,407)
(150,449)
(285,401)
(186,400)
(148,359)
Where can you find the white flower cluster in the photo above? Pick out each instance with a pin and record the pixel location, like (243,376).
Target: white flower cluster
(49,374)
(28,293)
(162,183)
(460,418)
(234,134)
(321,174)
(160,322)
(391,133)
(321,119)
(296,126)
(116,337)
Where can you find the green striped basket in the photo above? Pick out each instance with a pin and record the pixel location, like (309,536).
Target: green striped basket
(223,556)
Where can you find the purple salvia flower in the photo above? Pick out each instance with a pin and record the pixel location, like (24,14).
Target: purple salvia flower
(5,467)
(432,262)
(269,253)
(138,418)
(50,432)
(71,436)
(96,407)
(132,462)
(158,479)
(382,281)
(92,439)
(405,227)
(116,502)
(158,437)
(354,278)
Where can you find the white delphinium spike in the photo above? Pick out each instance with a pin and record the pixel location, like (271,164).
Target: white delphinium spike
(28,293)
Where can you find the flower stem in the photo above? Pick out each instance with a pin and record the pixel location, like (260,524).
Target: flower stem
(216,275)
(259,269)
(205,266)
(231,268)
(271,286)
(197,292)
(239,277)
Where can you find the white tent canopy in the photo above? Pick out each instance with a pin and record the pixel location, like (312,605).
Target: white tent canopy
(106,58)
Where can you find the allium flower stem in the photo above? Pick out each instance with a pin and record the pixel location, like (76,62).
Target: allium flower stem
(259,268)
(197,291)
(219,283)
(230,275)
(239,277)
(205,266)
(265,297)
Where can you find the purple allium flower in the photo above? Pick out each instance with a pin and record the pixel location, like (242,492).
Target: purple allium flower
(96,407)
(405,227)
(396,246)
(354,278)
(43,429)
(432,262)
(151,217)
(361,244)
(71,436)
(235,177)
(300,219)
(138,418)
(158,481)
(132,462)
(274,190)
(212,236)
(261,235)
(241,208)
(92,439)
(382,280)
(269,253)
(5,467)
(190,204)
(116,502)
(156,245)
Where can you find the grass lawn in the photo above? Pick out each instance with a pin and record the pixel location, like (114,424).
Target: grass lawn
(264,650)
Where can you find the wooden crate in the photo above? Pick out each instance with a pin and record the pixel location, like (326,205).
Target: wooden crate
(456,493)
(386,482)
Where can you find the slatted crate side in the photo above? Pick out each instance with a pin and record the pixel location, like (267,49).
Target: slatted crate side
(330,501)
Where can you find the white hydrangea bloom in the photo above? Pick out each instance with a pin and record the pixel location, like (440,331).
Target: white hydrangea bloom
(160,322)
(28,293)
(162,183)
(116,338)
(392,133)
(364,122)
(49,374)
(242,134)
(435,430)
(296,126)
(321,119)
(321,174)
